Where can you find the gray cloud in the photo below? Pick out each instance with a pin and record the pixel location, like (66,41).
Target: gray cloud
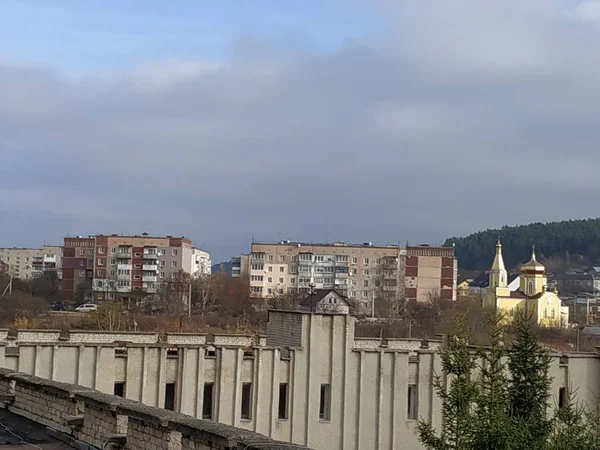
(468,114)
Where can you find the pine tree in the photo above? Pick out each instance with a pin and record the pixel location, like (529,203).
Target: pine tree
(492,414)
(458,398)
(529,387)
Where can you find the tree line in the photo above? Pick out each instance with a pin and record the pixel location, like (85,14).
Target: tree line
(571,241)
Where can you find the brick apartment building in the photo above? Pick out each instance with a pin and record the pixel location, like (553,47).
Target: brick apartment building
(362,272)
(114,265)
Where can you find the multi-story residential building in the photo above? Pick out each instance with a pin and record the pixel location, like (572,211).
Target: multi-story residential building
(201,263)
(239,266)
(115,265)
(430,271)
(362,272)
(27,263)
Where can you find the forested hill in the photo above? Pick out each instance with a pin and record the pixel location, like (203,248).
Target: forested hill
(570,241)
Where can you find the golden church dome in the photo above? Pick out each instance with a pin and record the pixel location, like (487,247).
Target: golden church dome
(533,266)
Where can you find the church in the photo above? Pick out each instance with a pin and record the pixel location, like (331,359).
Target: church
(545,305)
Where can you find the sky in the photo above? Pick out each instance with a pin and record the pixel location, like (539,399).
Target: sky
(379,120)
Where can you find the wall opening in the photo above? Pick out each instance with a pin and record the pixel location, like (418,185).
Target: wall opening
(283,401)
(246,401)
(207,402)
(170,396)
(413,402)
(325,402)
(119,389)
(562,398)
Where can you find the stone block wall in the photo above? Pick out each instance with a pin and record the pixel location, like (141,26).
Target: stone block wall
(79,415)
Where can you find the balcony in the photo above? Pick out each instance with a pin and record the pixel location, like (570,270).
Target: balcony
(124,266)
(150,267)
(123,277)
(123,288)
(151,278)
(150,256)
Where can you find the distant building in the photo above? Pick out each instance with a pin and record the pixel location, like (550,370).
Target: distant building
(201,263)
(579,282)
(27,263)
(545,305)
(121,266)
(482,283)
(239,266)
(361,272)
(326,301)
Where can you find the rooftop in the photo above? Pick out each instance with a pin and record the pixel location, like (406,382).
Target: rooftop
(18,432)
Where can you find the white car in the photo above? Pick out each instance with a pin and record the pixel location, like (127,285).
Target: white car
(86,307)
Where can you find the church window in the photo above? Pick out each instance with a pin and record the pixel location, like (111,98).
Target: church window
(545,313)
(530,288)
(552,313)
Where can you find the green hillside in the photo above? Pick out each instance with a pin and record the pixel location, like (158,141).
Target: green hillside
(569,241)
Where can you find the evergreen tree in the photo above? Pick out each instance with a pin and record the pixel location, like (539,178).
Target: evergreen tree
(458,392)
(529,387)
(492,414)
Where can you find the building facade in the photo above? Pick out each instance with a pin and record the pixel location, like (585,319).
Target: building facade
(114,266)
(27,263)
(361,272)
(309,381)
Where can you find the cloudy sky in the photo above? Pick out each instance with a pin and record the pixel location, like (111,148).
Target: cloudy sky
(352,120)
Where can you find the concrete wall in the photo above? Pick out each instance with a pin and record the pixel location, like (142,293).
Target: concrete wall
(368,379)
(79,416)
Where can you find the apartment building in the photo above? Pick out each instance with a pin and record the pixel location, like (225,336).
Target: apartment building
(201,262)
(27,263)
(114,265)
(362,272)
(239,266)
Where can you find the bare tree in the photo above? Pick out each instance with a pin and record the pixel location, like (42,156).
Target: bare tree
(110,316)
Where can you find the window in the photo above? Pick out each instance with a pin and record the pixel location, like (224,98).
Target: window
(281,258)
(552,314)
(173,263)
(269,291)
(258,267)
(366,260)
(365,294)
(354,271)
(282,269)
(270,257)
(91,252)
(281,280)
(137,277)
(365,283)
(160,252)
(562,397)
(101,250)
(119,389)
(256,289)
(113,261)
(530,288)
(113,250)
(246,401)
(270,268)
(270,279)
(170,396)
(305,257)
(137,266)
(341,258)
(256,278)
(100,262)
(82,273)
(283,401)
(325,402)
(292,280)
(413,402)
(162,274)
(365,271)
(81,253)
(207,401)
(100,273)
(512,311)
(162,263)
(354,260)
(174,252)
(545,313)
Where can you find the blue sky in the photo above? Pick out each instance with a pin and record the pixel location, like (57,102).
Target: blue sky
(84,36)
(382,121)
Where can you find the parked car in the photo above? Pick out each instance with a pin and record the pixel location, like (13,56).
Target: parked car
(87,307)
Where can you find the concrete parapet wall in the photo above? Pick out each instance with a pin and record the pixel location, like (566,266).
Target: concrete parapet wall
(97,419)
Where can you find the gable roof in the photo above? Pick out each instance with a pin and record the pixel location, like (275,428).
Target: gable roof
(320,294)
(483,280)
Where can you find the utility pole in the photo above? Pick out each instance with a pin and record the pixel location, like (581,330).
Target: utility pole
(10,283)
(190,297)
